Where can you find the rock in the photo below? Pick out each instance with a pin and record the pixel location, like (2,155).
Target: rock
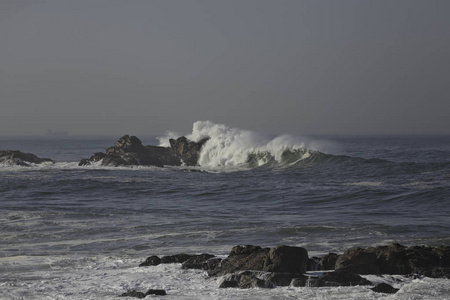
(134,294)
(212,264)
(436,272)
(396,259)
(328,262)
(151,261)
(18,158)
(94,158)
(336,278)
(156,292)
(197,262)
(313,264)
(170,259)
(177,258)
(359,260)
(141,295)
(129,151)
(384,288)
(280,279)
(247,280)
(242,258)
(287,259)
(188,151)
(283,259)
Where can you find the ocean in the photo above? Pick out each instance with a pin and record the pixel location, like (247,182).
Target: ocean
(71,232)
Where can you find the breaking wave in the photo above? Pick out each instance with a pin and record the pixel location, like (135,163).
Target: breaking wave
(233,147)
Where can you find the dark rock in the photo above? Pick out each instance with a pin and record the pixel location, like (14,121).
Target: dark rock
(151,261)
(212,264)
(134,294)
(246,280)
(337,278)
(229,284)
(242,258)
(341,278)
(188,151)
(278,259)
(359,260)
(392,259)
(280,279)
(128,150)
(156,292)
(396,259)
(314,264)
(18,158)
(94,158)
(197,262)
(141,295)
(287,259)
(436,272)
(384,288)
(328,262)
(249,281)
(177,258)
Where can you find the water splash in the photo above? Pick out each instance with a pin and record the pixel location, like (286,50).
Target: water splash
(231,147)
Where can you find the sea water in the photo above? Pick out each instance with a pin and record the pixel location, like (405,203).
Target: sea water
(70,232)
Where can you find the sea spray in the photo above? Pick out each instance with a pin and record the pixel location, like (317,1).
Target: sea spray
(231,146)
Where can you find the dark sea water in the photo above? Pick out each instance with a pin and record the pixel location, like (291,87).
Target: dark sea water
(70,232)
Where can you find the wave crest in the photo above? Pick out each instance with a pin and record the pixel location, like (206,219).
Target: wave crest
(232,147)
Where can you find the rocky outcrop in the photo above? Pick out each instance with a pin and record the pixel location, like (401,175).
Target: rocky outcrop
(397,259)
(18,158)
(128,150)
(292,260)
(187,151)
(256,267)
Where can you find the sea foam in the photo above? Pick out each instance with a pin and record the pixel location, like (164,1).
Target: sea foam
(231,147)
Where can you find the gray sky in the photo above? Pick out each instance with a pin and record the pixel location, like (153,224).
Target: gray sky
(111,67)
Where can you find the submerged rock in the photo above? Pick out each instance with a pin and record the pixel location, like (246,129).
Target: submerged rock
(384,288)
(142,295)
(18,158)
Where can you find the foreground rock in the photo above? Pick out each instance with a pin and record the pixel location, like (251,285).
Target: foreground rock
(285,259)
(256,267)
(18,158)
(397,259)
(128,150)
(384,288)
(142,295)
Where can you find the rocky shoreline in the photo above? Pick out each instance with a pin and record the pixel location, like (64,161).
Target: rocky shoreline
(256,267)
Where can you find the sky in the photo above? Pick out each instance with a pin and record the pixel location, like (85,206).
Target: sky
(113,67)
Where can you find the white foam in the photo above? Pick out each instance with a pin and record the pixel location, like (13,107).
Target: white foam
(231,146)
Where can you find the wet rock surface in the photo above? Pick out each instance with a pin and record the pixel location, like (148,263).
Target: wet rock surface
(19,158)
(129,151)
(253,266)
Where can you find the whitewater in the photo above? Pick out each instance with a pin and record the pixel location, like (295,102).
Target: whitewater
(72,232)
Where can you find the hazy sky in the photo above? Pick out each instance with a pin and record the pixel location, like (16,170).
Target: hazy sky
(111,67)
